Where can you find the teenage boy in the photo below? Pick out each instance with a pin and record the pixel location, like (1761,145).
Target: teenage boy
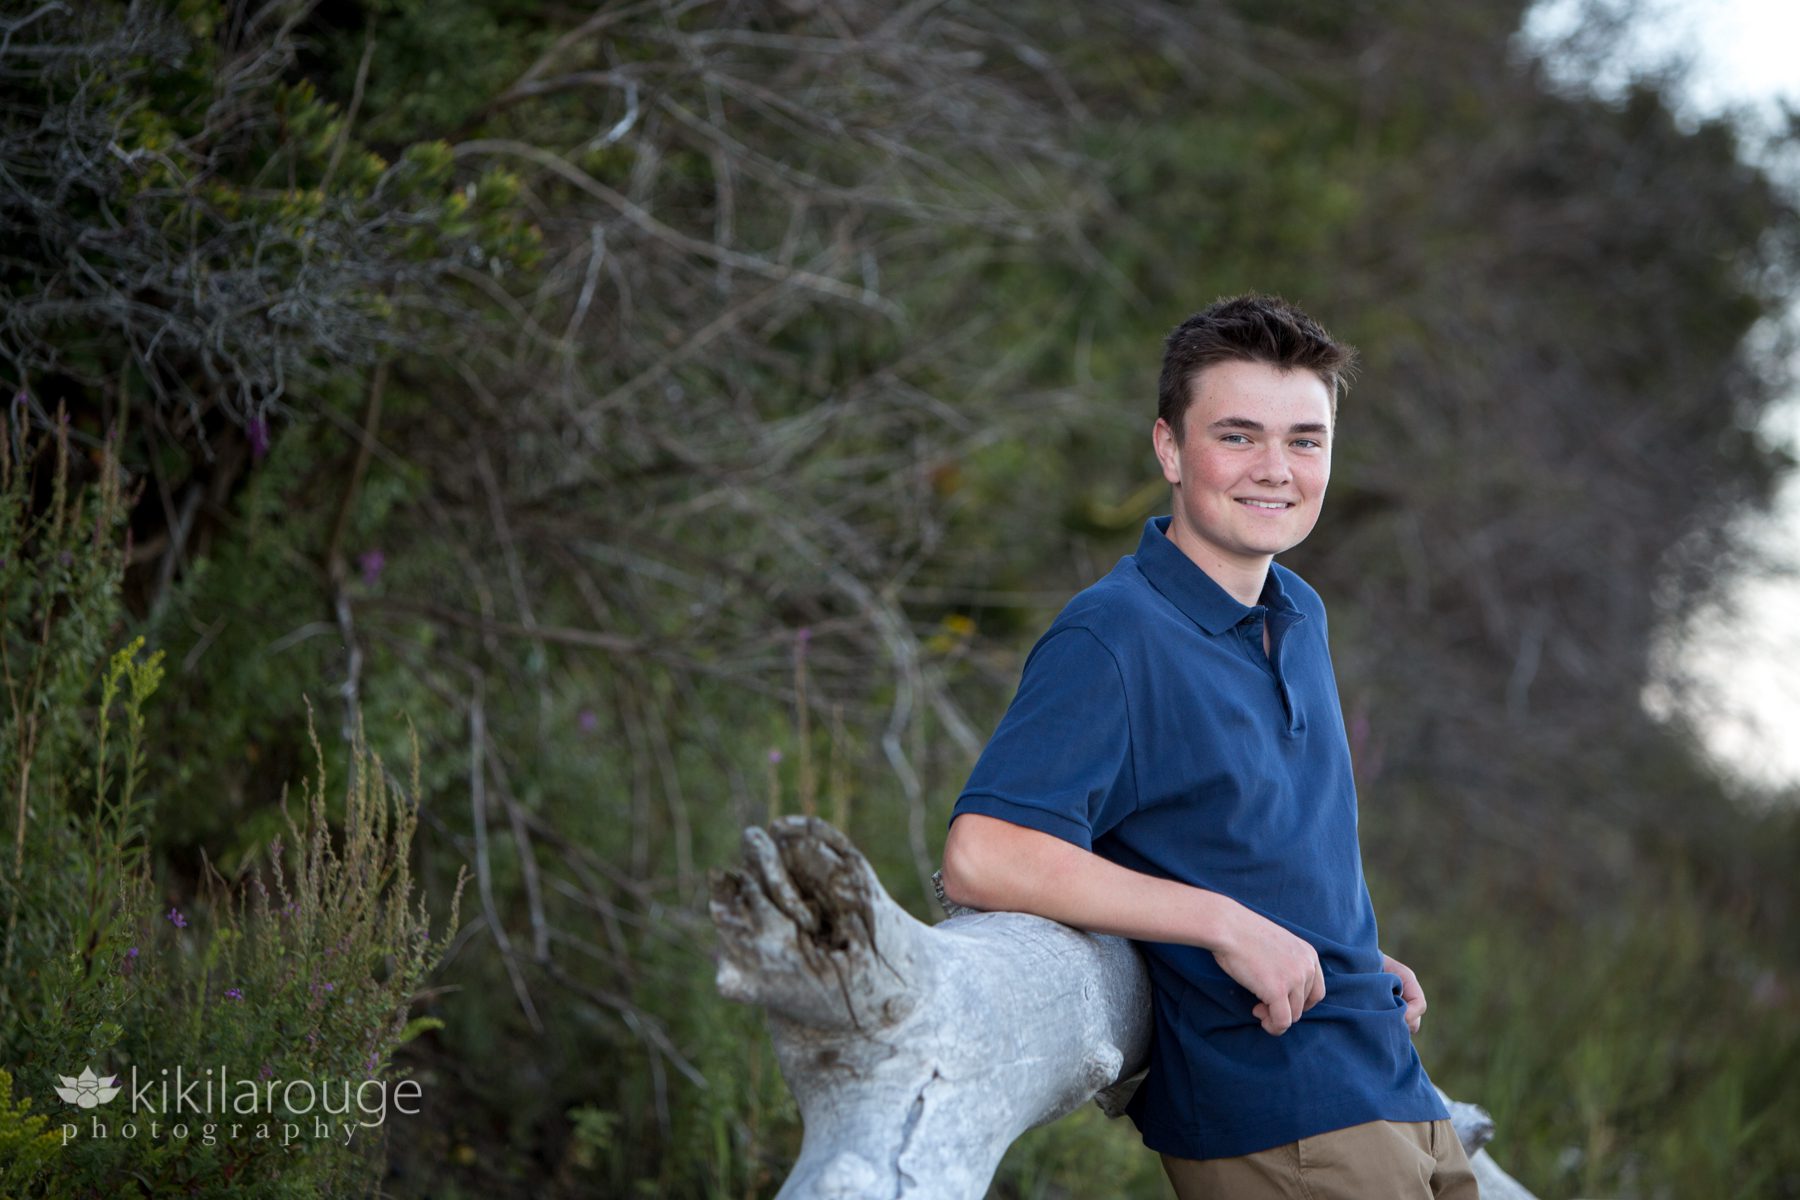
(1174,770)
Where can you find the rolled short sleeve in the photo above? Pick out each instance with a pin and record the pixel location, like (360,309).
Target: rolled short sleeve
(1060,762)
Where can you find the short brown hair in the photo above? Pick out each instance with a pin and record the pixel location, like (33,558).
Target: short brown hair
(1252,328)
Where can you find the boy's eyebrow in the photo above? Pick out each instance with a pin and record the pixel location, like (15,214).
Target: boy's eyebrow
(1257,426)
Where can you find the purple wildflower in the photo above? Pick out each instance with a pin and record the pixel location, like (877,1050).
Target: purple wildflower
(176,919)
(234,993)
(371,562)
(588,719)
(258,431)
(774,755)
(266,1071)
(131,953)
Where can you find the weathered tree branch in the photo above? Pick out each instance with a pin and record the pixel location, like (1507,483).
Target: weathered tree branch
(918,1054)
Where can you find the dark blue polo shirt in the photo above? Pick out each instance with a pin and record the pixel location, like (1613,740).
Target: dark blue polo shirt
(1151,728)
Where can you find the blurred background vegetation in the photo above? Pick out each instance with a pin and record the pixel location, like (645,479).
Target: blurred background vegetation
(677,411)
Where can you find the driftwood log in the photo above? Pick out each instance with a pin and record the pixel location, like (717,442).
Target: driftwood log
(918,1053)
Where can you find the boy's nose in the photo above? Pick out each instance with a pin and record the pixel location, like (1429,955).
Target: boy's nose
(1272,466)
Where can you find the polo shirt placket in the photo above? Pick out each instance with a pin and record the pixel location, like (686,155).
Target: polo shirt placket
(1279,622)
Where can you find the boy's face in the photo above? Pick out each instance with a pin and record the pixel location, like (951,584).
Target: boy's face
(1252,463)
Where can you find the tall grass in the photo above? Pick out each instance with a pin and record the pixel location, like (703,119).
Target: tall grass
(301,970)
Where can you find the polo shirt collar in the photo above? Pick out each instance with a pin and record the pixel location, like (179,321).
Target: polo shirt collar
(1192,590)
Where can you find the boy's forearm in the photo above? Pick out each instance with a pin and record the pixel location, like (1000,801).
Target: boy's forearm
(994,865)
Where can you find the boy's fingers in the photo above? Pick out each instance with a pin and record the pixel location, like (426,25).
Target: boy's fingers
(1280,1016)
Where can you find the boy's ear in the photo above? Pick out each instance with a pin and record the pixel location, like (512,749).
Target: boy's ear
(1167,447)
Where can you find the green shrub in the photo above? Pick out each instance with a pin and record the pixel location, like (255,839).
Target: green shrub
(243,1036)
(27,1147)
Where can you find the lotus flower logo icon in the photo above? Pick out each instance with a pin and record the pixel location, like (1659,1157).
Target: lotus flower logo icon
(87,1089)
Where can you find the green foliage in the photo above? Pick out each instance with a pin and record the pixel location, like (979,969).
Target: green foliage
(246,618)
(331,949)
(1649,1049)
(302,974)
(434,65)
(127,819)
(28,1148)
(1077,1156)
(255,245)
(59,569)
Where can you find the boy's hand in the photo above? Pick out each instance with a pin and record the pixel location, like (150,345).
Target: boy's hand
(1281,969)
(1410,991)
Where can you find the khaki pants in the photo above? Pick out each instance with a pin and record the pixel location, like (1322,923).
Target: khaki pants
(1382,1160)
